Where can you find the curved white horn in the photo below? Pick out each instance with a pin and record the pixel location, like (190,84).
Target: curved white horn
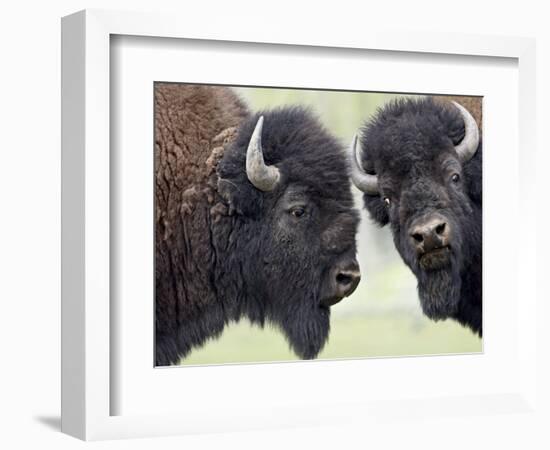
(363,181)
(468,146)
(262,176)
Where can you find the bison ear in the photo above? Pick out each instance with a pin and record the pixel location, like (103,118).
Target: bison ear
(233,184)
(240,199)
(377,209)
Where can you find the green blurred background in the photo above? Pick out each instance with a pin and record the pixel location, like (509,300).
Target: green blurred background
(383,316)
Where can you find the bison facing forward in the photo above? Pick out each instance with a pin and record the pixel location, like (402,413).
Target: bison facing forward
(421,173)
(254,218)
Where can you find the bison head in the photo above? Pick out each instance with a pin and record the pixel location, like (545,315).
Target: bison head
(420,169)
(286,181)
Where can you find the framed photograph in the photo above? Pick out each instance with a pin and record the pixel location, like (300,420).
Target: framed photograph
(306,257)
(251,215)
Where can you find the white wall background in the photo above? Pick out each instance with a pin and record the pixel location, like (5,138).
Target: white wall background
(30,217)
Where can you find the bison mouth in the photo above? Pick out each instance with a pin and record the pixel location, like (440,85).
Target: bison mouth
(327,302)
(437,258)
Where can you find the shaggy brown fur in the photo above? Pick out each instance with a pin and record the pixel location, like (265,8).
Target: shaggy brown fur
(185,165)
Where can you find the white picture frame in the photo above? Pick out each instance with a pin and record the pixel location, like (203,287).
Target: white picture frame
(87,380)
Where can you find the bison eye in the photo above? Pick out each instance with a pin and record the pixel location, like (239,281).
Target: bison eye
(387,201)
(455,178)
(297,212)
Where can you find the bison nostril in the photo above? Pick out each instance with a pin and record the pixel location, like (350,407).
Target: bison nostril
(343,282)
(418,237)
(440,228)
(344,279)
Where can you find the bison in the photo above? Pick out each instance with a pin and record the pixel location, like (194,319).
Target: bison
(419,164)
(254,219)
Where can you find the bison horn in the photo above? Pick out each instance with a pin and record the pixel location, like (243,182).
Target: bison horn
(362,180)
(468,146)
(262,176)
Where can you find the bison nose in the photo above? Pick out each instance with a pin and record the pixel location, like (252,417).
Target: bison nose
(346,279)
(342,281)
(430,234)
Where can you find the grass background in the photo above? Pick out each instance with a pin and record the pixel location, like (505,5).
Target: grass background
(383,316)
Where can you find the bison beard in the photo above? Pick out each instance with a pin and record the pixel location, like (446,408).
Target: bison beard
(439,291)
(227,245)
(306,326)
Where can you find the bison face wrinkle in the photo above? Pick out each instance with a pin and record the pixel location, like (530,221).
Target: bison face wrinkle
(433,203)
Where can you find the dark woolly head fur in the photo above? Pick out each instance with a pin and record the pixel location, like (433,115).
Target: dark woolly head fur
(409,144)
(287,260)
(230,251)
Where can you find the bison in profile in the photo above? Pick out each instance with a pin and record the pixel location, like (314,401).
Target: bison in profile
(419,164)
(254,219)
